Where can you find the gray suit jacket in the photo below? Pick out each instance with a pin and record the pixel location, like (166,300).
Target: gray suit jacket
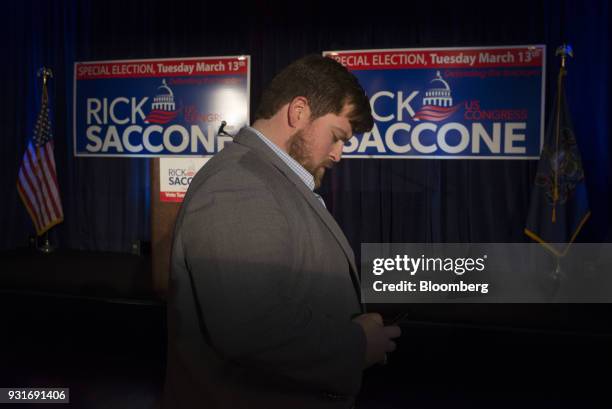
(263,287)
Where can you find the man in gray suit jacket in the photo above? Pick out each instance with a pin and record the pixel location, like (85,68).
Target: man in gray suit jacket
(264,308)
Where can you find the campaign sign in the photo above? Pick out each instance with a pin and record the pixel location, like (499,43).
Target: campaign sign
(159,107)
(450,103)
(175,175)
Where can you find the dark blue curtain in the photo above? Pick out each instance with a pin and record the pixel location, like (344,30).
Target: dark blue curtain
(106,201)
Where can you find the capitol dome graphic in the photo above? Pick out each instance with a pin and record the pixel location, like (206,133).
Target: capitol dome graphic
(440,94)
(163,108)
(437,102)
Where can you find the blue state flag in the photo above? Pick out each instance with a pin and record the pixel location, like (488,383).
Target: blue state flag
(559,205)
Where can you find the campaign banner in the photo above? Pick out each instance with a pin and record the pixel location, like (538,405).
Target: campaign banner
(175,175)
(159,107)
(450,103)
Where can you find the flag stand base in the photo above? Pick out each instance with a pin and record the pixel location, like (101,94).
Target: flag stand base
(46,247)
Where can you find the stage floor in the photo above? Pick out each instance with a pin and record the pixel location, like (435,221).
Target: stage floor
(103,335)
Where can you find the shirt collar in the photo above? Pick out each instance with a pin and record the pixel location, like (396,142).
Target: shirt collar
(299,170)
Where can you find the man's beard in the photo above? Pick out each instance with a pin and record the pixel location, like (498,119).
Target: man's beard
(298,149)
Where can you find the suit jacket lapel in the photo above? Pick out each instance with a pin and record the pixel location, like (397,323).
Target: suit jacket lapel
(247,138)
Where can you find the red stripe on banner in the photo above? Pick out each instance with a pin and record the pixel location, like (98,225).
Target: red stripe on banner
(421,114)
(166,117)
(435,118)
(157,121)
(162,68)
(163,113)
(439,109)
(431,117)
(434,114)
(175,197)
(440,58)
(161,117)
(428,118)
(450,111)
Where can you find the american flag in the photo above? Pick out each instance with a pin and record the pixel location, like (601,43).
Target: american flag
(37,180)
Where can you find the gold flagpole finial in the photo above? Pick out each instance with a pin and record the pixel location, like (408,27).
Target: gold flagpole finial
(564,51)
(46,74)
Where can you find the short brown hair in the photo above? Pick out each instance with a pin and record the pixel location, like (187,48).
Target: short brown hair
(327,85)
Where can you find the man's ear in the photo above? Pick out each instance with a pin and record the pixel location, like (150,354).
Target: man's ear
(298,112)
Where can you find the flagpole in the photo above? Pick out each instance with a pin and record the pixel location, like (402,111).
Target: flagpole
(46,73)
(564,51)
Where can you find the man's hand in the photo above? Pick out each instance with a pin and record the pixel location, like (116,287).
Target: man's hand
(378,337)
